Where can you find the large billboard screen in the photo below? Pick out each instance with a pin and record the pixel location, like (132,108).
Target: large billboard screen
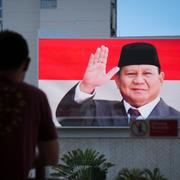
(62,64)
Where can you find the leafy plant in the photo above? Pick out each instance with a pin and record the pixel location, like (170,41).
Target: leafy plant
(131,174)
(83,165)
(137,174)
(154,175)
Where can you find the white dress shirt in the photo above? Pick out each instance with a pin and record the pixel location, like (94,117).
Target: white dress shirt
(80,96)
(144,110)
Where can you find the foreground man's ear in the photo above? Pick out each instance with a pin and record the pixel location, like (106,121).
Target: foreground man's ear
(26,64)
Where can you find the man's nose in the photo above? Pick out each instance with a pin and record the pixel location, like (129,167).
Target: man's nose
(138,79)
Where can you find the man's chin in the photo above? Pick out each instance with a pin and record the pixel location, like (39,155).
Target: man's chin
(139,101)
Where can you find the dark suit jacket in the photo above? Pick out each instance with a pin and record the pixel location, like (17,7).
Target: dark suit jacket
(103,112)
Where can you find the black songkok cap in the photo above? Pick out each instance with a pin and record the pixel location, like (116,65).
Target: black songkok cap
(138,53)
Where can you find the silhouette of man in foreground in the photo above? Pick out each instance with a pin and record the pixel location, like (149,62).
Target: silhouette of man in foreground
(25,116)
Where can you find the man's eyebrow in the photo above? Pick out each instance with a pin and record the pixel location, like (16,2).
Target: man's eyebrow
(126,70)
(148,69)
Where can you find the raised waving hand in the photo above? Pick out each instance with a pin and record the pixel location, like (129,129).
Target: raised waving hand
(95,74)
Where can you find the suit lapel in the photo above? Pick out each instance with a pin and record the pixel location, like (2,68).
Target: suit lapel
(160,110)
(120,118)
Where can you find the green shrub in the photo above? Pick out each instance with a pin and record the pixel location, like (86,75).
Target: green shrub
(137,174)
(154,175)
(131,174)
(83,165)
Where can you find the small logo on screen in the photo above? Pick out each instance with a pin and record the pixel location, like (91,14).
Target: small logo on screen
(139,128)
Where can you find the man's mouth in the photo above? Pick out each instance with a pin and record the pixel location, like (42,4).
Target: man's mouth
(138,89)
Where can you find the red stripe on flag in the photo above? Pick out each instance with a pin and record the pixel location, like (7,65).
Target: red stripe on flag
(66,59)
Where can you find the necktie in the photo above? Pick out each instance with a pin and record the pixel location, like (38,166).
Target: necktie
(134,113)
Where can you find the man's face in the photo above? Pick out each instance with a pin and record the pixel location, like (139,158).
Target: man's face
(139,84)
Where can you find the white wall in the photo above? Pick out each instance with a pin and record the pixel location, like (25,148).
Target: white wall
(23,16)
(83,18)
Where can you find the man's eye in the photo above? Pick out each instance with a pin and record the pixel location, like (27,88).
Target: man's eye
(147,73)
(131,74)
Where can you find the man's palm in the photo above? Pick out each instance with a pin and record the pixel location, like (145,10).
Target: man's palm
(95,74)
